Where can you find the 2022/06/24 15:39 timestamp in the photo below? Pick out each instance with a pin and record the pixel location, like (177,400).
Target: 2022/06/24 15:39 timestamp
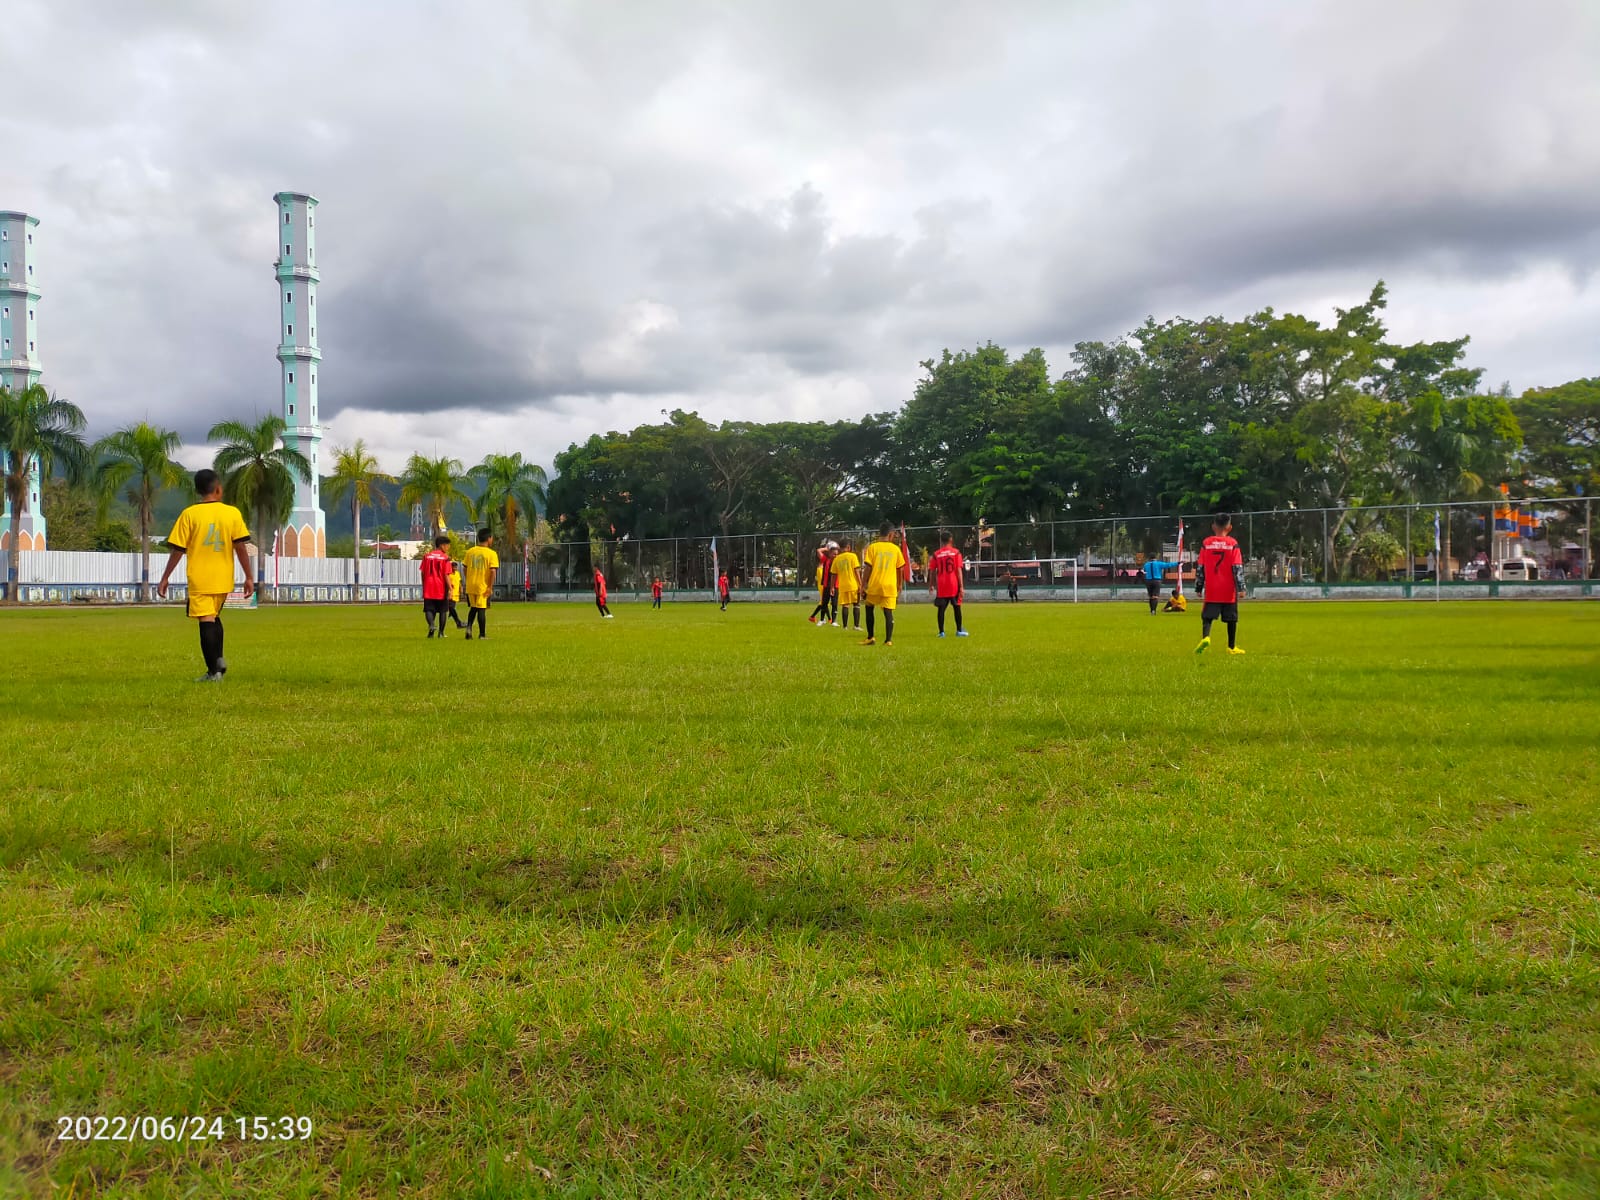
(182,1129)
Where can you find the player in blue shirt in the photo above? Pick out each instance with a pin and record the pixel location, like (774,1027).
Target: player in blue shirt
(1153,570)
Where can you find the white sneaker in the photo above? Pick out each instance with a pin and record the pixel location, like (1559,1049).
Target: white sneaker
(609,616)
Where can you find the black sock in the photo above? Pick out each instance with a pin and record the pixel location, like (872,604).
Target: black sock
(870,620)
(428,617)
(957,608)
(216,641)
(888,624)
(205,645)
(1233,632)
(940,605)
(1205,628)
(483,622)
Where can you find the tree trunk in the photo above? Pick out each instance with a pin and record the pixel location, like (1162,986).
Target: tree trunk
(14,557)
(261,548)
(144,557)
(355,513)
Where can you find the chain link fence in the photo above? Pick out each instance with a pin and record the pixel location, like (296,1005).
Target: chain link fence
(1544,539)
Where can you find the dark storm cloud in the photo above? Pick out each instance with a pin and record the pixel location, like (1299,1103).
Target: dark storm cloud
(544,218)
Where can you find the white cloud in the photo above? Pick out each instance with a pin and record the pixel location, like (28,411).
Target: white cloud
(540,220)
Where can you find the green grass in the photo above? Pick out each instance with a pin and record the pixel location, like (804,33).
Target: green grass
(698,904)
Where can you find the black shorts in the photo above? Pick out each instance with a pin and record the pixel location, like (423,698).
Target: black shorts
(1153,587)
(430,607)
(1229,613)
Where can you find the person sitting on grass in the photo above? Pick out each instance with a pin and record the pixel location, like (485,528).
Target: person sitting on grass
(1175,603)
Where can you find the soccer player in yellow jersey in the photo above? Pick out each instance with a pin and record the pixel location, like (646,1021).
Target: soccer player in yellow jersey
(847,583)
(452,594)
(884,561)
(481,563)
(212,534)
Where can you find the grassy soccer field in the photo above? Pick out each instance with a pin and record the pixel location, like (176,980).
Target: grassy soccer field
(689,903)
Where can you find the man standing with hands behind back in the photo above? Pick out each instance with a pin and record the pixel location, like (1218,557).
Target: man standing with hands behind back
(213,535)
(1219,577)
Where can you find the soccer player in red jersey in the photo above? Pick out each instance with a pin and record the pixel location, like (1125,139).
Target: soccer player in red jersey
(1219,576)
(600,593)
(722,590)
(949,585)
(655,594)
(436,570)
(825,557)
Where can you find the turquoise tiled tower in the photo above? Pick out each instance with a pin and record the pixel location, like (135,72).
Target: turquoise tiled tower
(19,353)
(305,535)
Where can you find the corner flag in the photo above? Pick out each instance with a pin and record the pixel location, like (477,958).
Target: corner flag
(1179,588)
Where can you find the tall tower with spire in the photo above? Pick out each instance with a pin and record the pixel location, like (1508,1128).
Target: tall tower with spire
(19,355)
(305,535)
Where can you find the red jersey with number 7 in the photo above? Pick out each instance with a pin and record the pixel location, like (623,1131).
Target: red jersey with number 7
(1219,555)
(946,566)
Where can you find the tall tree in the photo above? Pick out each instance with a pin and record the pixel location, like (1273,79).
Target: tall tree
(514,492)
(356,474)
(1561,428)
(35,428)
(434,483)
(258,475)
(140,459)
(1454,448)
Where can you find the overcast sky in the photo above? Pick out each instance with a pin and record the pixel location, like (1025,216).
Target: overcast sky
(541,219)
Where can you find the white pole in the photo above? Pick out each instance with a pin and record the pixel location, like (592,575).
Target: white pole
(1074,578)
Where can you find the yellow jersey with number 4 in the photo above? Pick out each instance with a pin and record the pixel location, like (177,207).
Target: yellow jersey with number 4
(206,533)
(479,561)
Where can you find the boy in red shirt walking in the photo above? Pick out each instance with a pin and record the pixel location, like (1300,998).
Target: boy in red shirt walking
(600,593)
(655,594)
(436,571)
(949,585)
(1219,576)
(722,590)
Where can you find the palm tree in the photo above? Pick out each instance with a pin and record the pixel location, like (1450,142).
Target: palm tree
(258,473)
(37,431)
(140,459)
(434,483)
(513,491)
(355,472)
